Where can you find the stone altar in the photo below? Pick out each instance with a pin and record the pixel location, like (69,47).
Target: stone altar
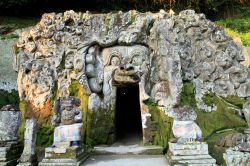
(10,147)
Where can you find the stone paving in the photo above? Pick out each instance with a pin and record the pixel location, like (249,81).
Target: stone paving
(127,160)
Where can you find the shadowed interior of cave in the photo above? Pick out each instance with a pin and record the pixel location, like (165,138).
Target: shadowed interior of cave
(128,115)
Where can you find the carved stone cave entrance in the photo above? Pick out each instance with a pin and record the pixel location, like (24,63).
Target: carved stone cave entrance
(128,115)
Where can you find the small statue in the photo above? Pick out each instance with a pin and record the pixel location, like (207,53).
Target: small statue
(67,122)
(184,127)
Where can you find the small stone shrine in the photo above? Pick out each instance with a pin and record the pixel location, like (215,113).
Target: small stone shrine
(10,148)
(189,150)
(66,149)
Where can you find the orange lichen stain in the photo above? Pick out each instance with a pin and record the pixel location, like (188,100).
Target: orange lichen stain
(40,113)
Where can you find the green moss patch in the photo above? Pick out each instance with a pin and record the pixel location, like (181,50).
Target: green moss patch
(100,127)
(77,90)
(163,126)
(217,151)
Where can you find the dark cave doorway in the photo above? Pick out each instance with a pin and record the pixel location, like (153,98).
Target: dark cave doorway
(128,115)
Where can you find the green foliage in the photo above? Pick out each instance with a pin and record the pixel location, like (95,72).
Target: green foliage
(10,3)
(45,135)
(8,98)
(238,27)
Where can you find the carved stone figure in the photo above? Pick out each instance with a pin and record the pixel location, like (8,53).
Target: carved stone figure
(68,122)
(66,148)
(184,128)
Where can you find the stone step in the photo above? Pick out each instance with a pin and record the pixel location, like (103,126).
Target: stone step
(128,150)
(199,161)
(196,157)
(193,165)
(126,160)
(187,150)
(64,161)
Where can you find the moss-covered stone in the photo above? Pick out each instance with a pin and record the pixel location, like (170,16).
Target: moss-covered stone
(45,135)
(162,124)
(215,150)
(8,98)
(225,117)
(101,127)
(22,124)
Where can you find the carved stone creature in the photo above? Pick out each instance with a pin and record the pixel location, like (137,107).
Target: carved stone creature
(184,128)
(67,111)
(68,120)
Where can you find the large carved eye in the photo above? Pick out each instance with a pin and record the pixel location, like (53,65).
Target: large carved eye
(115,61)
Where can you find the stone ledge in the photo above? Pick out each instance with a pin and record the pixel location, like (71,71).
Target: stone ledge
(129,150)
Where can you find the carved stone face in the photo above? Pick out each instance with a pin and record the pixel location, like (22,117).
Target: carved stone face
(129,62)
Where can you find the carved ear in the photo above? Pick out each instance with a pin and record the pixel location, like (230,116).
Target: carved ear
(108,55)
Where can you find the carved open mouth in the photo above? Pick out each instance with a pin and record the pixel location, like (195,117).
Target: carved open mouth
(126,77)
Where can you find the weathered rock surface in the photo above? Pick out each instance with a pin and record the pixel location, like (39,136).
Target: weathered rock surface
(169,48)
(8,76)
(236,158)
(10,118)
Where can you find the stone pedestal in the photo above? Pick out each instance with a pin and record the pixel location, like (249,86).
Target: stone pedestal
(71,156)
(189,155)
(10,153)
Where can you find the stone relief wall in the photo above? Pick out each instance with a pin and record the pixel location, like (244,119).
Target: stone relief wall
(102,51)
